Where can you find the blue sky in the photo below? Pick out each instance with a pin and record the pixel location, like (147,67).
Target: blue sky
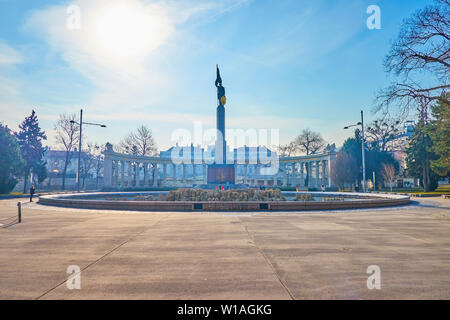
(286,65)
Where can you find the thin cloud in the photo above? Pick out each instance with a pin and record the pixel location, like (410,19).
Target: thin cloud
(141,79)
(9,55)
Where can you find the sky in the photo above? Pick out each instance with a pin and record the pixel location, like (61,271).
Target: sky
(286,65)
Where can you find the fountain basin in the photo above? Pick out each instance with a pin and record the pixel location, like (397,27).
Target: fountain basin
(113,201)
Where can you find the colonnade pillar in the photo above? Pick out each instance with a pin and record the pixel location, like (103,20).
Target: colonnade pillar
(307,173)
(129,173)
(145,174)
(164,177)
(318,174)
(122,173)
(324,170)
(205,177)
(265,178)
(115,174)
(293,174)
(136,174)
(155,174)
(245,173)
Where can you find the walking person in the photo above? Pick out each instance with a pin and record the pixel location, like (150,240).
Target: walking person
(32,191)
(323,188)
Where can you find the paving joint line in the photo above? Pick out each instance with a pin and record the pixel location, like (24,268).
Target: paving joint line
(101,258)
(268,261)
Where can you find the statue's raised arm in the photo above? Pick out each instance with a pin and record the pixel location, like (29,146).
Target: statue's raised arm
(220,89)
(218,78)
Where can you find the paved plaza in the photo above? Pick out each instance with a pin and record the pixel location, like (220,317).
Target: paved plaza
(265,255)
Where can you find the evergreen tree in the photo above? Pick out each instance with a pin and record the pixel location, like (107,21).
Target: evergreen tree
(374,157)
(30,139)
(419,156)
(439,132)
(11,163)
(352,147)
(40,171)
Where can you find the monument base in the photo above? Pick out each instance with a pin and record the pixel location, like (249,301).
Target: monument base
(221,173)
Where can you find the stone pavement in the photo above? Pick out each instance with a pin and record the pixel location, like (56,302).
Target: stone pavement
(282,255)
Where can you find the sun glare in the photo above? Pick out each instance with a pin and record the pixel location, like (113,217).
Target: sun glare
(126,31)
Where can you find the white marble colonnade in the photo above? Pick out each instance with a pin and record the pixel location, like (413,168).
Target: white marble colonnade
(130,171)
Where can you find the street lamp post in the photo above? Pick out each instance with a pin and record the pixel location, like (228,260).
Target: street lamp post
(362,150)
(79,142)
(361,123)
(79,149)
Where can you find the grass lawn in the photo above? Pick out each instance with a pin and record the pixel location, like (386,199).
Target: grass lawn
(439,191)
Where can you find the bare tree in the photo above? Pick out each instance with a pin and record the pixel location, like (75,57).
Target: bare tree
(67,135)
(388,173)
(330,148)
(381,133)
(88,160)
(140,142)
(287,150)
(309,142)
(344,169)
(421,47)
(98,155)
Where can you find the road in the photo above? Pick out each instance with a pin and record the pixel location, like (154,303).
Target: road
(264,255)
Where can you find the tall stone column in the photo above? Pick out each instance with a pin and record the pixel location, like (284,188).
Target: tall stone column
(284,166)
(174,172)
(245,173)
(293,174)
(317,174)
(308,172)
(184,173)
(265,177)
(300,168)
(194,173)
(220,155)
(205,174)
(302,173)
(329,170)
(155,175)
(324,171)
(145,164)
(136,176)
(129,173)
(164,171)
(122,173)
(107,171)
(116,172)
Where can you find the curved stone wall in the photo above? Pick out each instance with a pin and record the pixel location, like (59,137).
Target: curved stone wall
(88,201)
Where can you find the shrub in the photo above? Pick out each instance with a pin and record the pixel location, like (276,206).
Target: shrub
(304,197)
(333,199)
(144,197)
(189,194)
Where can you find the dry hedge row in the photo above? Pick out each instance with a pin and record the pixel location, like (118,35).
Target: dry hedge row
(188,194)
